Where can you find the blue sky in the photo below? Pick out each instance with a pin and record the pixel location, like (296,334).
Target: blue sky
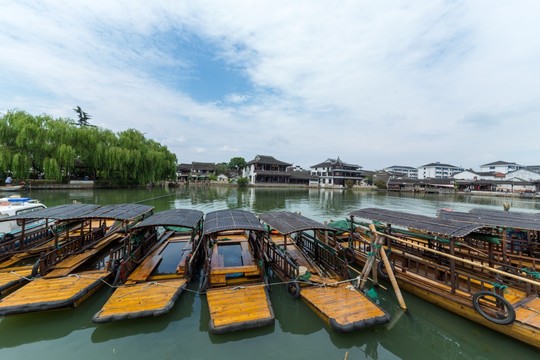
(375,83)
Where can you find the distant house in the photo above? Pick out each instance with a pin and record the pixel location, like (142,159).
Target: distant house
(183,171)
(408,171)
(477,175)
(500,167)
(522,174)
(197,171)
(222,177)
(334,172)
(264,169)
(437,170)
(202,171)
(302,177)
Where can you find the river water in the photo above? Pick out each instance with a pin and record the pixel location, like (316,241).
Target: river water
(424,332)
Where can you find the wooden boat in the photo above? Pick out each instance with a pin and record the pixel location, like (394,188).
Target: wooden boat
(19,257)
(233,275)
(292,248)
(75,270)
(163,270)
(502,301)
(515,244)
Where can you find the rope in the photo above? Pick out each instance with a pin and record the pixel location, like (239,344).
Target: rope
(157,197)
(532,273)
(21,276)
(499,286)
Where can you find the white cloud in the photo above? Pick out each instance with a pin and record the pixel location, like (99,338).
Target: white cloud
(377,83)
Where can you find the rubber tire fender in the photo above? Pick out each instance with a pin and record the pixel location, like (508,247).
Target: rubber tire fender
(511,311)
(348,253)
(293,288)
(7,237)
(381,270)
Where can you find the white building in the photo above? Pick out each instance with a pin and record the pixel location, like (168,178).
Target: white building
(522,175)
(474,175)
(334,172)
(502,167)
(437,170)
(408,171)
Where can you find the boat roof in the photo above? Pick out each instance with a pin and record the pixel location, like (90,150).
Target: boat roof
(120,211)
(85,211)
(286,222)
(223,220)
(175,217)
(418,222)
(493,218)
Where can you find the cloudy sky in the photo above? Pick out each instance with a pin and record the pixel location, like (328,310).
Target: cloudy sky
(377,83)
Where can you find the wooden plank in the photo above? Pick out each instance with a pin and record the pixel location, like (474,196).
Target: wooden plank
(142,299)
(242,305)
(44,294)
(234,269)
(342,308)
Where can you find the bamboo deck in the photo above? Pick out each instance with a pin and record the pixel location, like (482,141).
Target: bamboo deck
(14,277)
(47,294)
(144,294)
(237,308)
(343,309)
(139,300)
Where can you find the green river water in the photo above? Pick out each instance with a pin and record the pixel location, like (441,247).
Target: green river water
(424,332)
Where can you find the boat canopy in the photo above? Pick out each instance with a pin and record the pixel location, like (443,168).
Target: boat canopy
(85,211)
(60,212)
(493,218)
(428,224)
(175,217)
(223,220)
(122,212)
(286,222)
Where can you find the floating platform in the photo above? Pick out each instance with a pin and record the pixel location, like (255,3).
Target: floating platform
(143,299)
(47,294)
(238,308)
(343,309)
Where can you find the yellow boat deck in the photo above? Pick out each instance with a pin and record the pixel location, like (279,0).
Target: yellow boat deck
(14,277)
(529,313)
(344,309)
(138,300)
(47,294)
(68,265)
(144,294)
(237,308)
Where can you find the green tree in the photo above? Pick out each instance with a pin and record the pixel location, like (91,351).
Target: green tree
(83,116)
(242,181)
(222,168)
(237,163)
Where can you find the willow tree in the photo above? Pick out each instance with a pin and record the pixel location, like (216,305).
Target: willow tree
(53,146)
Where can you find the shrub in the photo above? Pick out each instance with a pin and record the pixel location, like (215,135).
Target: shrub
(242,181)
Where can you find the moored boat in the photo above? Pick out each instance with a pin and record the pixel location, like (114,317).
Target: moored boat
(76,269)
(316,272)
(233,275)
(160,272)
(498,299)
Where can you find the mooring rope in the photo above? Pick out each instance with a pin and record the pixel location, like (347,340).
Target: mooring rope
(21,276)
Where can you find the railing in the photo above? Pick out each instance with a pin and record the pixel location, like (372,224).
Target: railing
(282,264)
(31,239)
(322,253)
(53,257)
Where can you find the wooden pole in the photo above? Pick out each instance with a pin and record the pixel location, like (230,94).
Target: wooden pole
(393,280)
